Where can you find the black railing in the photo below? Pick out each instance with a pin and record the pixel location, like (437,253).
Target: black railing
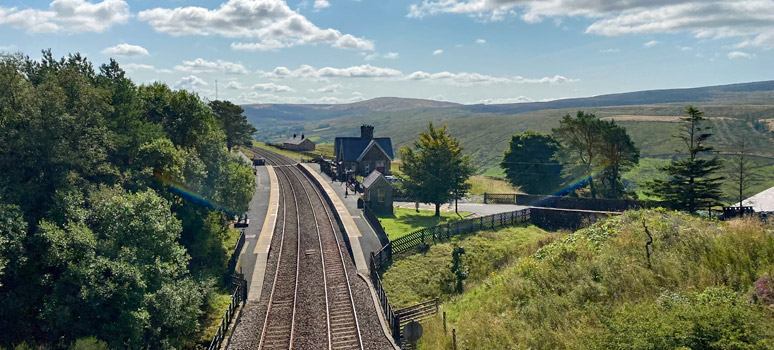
(232,262)
(238,297)
(369,215)
(446,231)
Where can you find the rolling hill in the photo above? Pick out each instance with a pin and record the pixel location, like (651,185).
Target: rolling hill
(735,111)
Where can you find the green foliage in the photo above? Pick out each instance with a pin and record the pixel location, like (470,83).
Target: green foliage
(593,289)
(529,163)
(595,151)
(692,182)
(233,122)
(420,277)
(457,267)
(436,171)
(97,222)
(404,220)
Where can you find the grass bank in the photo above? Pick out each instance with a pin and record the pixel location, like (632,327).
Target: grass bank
(481,184)
(404,221)
(419,277)
(709,287)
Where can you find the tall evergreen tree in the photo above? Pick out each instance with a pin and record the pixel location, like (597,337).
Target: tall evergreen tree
(529,163)
(435,169)
(740,168)
(692,182)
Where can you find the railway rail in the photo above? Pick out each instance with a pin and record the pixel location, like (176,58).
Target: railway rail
(287,307)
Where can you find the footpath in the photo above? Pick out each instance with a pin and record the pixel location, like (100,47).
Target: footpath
(368,240)
(263,214)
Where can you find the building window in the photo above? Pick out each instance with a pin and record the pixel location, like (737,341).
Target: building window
(380,195)
(367,167)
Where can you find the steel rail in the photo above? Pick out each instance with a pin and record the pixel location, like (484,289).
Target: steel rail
(279,262)
(322,258)
(339,260)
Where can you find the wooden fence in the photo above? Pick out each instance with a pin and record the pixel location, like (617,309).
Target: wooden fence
(445,232)
(502,198)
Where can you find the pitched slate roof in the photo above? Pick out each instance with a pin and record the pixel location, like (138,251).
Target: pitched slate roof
(372,178)
(296,140)
(350,148)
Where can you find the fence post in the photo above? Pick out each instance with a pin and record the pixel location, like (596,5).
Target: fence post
(444,323)
(454,338)
(396,329)
(484,197)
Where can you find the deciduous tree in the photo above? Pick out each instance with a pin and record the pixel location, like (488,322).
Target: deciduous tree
(435,169)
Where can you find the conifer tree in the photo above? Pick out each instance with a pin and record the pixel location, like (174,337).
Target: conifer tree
(692,182)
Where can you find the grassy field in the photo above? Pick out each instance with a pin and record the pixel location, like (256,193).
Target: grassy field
(594,289)
(481,184)
(419,277)
(404,221)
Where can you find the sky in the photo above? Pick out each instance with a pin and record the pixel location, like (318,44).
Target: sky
(466,51)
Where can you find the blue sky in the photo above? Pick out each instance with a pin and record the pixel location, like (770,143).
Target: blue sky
(468,51)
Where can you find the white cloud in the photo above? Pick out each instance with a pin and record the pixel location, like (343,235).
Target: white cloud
(375,55)
(7,48)
(271,22)
(610,51)
(739,54)
(191,82)
(321,4)
(749,20)
(467,79)
(494,101)
(686,48)
(651,43)
(133,67)
(311,73)
(328,89)
(234,85)
(271,87)
(480,41)
(200,65)
(67,16)
(257,97)
(126,50)
(437,52)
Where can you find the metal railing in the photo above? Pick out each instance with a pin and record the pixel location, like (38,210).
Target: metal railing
(238,297)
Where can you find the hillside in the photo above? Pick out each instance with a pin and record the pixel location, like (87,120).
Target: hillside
(709,287)
(735,111)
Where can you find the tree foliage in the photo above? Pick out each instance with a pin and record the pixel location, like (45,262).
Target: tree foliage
(692,182)
(529,163)
(435,169)
(233,121)
(97,230)
(596,152)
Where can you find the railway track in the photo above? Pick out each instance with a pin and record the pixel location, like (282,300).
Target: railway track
(284,313)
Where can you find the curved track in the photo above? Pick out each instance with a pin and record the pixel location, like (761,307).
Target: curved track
(283,311)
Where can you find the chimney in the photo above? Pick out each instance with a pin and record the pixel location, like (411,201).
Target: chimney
(366,132)
(302,136)
(294,135)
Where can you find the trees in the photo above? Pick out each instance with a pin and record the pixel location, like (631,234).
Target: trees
(617,154)
(529,163)
(95,238)
(435,169)
(740,168)
(596,151)
(692,182)
(238,131)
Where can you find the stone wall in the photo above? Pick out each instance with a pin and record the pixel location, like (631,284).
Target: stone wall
(552,219)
